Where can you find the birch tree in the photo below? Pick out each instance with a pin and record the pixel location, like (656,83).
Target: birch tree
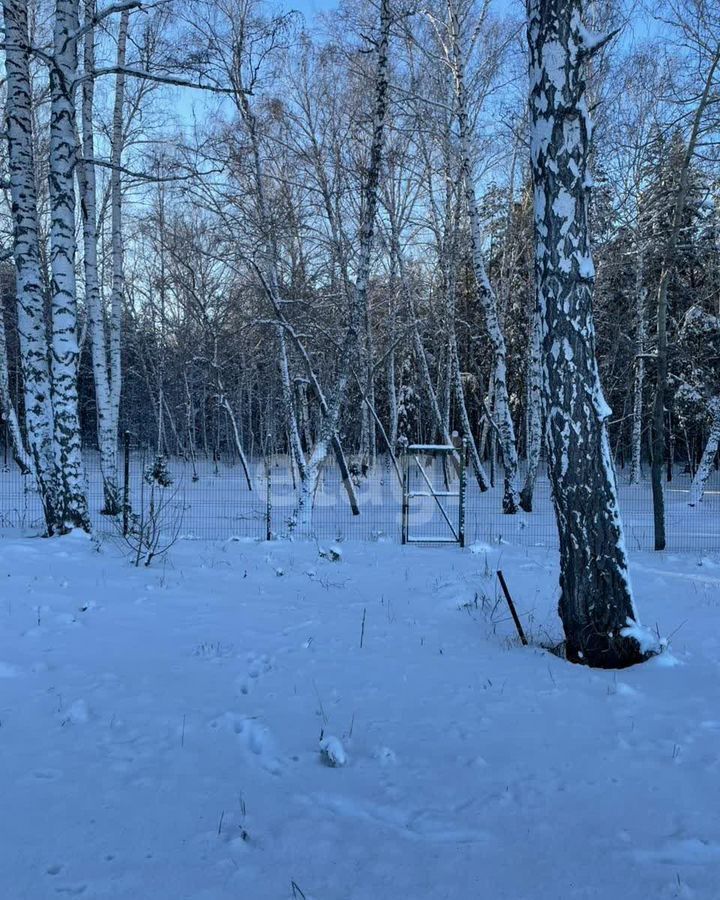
(117,294)
(596,603)
(437,190)
(534,413)
(7,407)
(637,96)
(358,306)
(72,501)
(33,337)
(698,396)
(486,295)
(105,401)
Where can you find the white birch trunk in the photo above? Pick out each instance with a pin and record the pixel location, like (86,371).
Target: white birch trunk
(308,469)
(697,488)
(486,295)
(65,351)
(596,603)
(291,422)
(459,393)
(301,520)
(20,453)
(32,332)
(224,403)
(437,417)
(106,423)
(358,306)
(117,294)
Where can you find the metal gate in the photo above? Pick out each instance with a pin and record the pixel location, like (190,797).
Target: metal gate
(452,521)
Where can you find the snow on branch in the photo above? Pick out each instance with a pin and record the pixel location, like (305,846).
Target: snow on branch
(592,42)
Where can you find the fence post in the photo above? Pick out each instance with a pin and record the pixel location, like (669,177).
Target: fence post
(268,504)
(462,490)
(405,498)
(126,486)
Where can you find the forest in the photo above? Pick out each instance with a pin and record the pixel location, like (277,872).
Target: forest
(248,233)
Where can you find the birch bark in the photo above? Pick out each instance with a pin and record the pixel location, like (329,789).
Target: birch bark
(20,453)
(697,488)
(596,604)
(534,418)
(117,295)
(106,424)
(32,330)
(72,501)
(486,294)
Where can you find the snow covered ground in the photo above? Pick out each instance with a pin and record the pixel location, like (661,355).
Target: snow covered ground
(160,728)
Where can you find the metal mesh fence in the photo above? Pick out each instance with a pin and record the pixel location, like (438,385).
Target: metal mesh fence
(210,499)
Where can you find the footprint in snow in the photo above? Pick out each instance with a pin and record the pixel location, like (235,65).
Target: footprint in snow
(255,737)
(257,666)
(77,713)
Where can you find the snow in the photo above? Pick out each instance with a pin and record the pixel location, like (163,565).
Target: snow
(648,642)
(431,448)
(160,728)
(591,40)
(332,752)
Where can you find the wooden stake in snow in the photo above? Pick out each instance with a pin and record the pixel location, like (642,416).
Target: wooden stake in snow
(513,611)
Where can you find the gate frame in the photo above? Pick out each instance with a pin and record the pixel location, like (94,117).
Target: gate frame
(439,451)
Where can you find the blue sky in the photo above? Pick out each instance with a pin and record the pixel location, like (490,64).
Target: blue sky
(308,7)
(312,6)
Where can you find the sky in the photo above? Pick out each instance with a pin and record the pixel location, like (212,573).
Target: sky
(314,5)
(310,7)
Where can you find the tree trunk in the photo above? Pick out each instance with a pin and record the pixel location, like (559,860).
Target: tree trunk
(596,604)
(697,488)
(534,419)
(391,386)
(72,511)
(7,407)
(106,426)
(486,295)
(459,392)
(32,332)
(117,294)
(639,380)
(358,303)
(224,403)
(439,422)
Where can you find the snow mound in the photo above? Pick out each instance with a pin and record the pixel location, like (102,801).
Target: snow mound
(648,642)
(332,752)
